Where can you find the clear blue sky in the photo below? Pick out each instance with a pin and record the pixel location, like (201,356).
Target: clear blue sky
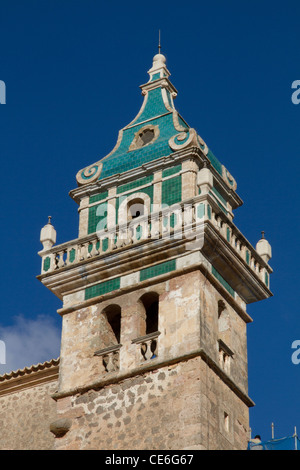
(72,71)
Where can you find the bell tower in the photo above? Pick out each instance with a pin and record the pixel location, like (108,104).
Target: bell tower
(154,292)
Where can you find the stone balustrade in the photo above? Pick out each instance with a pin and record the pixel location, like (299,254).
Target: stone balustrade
(147,346)
(180,220)
(110,357)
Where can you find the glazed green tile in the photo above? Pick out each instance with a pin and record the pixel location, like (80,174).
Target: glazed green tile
(72,255)
(201,210)
(139,232)
(97,217)
(222,281)
(98,197)
(171,190)
(135,184)
(155,76)
(171,171)
(267,279)
(47,262)
(154,107)
(157,270)
(222,208)
(90,247)
(209,211)
(215,162)
(102,288)
(122,159)
(156,112)
(173,220)
(219,195)
(105,244)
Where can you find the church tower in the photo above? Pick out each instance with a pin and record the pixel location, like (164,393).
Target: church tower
(154,292)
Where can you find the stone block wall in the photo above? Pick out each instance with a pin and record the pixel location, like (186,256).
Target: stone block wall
(25,417)
(180,406)
(155,410)
(182,399)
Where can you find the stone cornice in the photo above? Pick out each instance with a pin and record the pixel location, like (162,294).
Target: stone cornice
(145,169)
(162,82)
(202,266)
(116,263)
(114,377)
(191,153)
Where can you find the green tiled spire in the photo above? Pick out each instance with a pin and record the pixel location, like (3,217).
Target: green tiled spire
(156,131)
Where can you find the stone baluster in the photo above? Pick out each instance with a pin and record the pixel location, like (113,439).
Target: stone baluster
(147,346)
(223,229)
(243,251)
(94,251)
(109,362)
(146,229)
(60,259)
(110,357)
(257,268)
(165,223)
(155,227)
(179,219)
(83,251)
(233,240)
(188,214)
(122,237)
(53,262)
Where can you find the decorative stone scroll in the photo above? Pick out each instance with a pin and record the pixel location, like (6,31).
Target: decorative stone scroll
(89,174)
(228,178)
(183,140)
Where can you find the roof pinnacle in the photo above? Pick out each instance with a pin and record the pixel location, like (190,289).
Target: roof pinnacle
(159,45)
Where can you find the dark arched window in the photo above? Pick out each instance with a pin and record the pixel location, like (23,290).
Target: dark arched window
(113,317)
(150,302)
(135,208)
(223,317)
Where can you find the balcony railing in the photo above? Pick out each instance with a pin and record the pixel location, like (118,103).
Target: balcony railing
(147,346)
(110,357)
(178,221)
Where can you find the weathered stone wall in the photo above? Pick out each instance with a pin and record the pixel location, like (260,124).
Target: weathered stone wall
(84,330)
(25,418)
(179,400)
(224,416)
(156,410)
(232,331)
(180,406)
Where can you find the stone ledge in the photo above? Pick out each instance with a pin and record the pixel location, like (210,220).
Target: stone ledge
(156,364)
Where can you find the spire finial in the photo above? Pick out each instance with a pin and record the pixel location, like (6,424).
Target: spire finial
(159,45)
(49,219)
(262,234)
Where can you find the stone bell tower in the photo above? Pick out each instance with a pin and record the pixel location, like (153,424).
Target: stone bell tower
(154,292)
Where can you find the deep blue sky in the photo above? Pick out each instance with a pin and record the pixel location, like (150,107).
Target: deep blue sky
(72,71)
